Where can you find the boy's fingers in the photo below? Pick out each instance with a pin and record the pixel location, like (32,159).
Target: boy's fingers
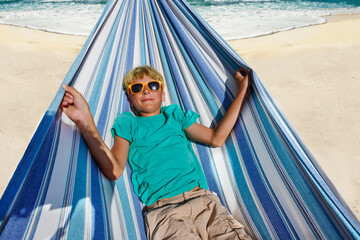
(243,72)
(239,76)
(71,90)
(66,101)
(69,95)
(64,104)
(69,100)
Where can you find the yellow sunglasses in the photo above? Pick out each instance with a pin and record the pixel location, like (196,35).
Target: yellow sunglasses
(136,88)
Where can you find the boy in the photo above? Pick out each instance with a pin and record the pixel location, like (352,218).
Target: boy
(166,174)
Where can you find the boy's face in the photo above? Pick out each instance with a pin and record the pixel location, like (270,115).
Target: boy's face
(147,103)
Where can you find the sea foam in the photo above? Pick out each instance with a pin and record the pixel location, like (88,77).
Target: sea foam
(232,19)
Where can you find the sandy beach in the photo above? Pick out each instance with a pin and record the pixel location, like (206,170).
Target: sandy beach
(312,73)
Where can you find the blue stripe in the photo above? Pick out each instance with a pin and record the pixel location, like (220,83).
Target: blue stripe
(25,202)
(77,215)
(265,199)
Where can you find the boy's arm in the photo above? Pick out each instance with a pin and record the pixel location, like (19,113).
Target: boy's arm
(111,163)
(217,136)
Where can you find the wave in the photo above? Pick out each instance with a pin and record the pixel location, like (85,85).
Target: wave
(37,2)
(223,2)
(232,19)
(349,3)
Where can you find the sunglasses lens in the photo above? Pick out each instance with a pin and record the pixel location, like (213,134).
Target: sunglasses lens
(153,86)
(136,88)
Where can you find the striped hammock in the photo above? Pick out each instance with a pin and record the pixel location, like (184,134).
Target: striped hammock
(263,174)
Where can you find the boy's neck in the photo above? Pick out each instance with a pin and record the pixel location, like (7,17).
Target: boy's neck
(150,114)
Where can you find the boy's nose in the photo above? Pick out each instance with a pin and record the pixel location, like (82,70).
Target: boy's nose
(146,90)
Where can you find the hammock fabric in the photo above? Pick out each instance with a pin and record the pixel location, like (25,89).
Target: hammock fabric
(263,174)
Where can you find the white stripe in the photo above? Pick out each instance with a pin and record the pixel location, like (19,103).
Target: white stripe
(53,208)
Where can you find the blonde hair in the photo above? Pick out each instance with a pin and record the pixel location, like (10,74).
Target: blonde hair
(139,72)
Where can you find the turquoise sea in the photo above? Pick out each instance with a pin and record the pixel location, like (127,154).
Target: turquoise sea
(232,19)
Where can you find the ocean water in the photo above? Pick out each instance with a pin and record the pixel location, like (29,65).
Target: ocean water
(232,19)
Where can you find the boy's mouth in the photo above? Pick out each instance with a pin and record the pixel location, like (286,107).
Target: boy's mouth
(147,99)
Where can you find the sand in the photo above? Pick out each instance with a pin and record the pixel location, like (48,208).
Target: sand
(312,73)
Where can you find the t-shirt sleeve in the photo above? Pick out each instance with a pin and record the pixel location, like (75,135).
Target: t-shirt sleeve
(122,127)
(189,118)
(186,118)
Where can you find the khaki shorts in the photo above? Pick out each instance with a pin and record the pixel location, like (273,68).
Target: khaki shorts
(192,215)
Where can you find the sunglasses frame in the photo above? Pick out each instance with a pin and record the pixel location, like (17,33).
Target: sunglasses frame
(143,86)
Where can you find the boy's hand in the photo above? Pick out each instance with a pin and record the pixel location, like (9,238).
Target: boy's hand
(242,76)
(111,162)
(75,107)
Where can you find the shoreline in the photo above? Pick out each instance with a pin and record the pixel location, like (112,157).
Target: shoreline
(325,17)
(304,70)
(43,30)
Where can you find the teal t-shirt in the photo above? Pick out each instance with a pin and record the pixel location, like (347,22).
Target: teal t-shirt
(161,157)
